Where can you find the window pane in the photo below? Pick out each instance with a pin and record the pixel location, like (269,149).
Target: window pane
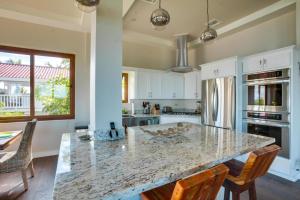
(52,85)
(14,85)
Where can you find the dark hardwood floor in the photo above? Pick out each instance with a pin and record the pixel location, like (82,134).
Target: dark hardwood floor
(40,187)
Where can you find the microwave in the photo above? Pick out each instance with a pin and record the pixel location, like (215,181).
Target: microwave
(267,91)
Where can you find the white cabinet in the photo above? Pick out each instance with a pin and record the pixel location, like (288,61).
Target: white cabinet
(192,86)
(172,86)
(148,85)
(166,119)
(268,61)
(222,68)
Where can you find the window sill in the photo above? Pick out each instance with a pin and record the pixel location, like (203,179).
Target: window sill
(39,118)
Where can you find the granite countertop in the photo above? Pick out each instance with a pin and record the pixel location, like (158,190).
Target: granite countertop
(148,157)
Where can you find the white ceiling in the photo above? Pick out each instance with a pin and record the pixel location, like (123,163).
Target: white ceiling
(51,9)
(189,16)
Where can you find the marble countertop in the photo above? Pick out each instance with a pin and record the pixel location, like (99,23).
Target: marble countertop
(148,157)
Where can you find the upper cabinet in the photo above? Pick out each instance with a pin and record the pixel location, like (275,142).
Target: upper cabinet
(268,61)
(192,85)
(218,69)
(172,86)
(148,85)
(159,85)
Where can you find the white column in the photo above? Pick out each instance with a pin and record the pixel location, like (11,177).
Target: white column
(106,62)
(298,23)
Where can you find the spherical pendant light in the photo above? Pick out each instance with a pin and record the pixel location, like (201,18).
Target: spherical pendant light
(160,18)
(87,5)
(209,33)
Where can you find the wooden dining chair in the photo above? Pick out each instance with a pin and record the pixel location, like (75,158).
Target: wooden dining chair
(22,158)
(202,186)
(242,176)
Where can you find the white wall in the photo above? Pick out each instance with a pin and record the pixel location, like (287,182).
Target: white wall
(20,34)
(272,34)
(148,56)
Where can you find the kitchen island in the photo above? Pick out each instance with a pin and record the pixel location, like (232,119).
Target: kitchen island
(148,157)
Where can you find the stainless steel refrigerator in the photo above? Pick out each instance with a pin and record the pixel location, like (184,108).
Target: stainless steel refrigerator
(219,100)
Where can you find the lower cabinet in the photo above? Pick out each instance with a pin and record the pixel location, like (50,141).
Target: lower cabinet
(166,119)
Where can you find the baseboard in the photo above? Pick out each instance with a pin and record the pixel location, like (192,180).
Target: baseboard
(285,176)
(45,154)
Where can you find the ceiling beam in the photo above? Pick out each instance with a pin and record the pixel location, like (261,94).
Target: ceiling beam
(127,4)
(250,18)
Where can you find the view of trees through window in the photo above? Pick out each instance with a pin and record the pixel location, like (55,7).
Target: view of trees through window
(51,93)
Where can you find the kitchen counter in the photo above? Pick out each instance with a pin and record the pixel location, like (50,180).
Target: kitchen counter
(148,157)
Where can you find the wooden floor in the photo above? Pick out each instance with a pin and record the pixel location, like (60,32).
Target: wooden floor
(41,186)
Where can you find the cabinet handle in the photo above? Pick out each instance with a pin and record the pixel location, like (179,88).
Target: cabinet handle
(265,61)
(260,62)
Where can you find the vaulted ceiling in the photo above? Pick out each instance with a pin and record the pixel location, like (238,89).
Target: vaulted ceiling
(187,16)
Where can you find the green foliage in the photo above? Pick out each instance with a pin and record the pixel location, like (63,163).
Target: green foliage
(52,104)
(14,61)
(1,105)
(12,114)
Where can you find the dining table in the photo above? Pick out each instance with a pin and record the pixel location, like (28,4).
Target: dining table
(7,138)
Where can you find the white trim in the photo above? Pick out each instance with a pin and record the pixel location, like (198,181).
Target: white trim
(45,153)
(250,18)
(127,4)
(68,25)
(131,36)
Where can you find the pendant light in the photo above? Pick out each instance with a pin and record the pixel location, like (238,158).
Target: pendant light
(87,5)
(160,18)
(209,33)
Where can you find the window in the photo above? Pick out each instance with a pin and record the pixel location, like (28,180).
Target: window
(124,88)
(36,84)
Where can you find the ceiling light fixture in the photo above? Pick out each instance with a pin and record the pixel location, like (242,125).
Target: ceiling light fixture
(209,33)
(87,5)
(160,18)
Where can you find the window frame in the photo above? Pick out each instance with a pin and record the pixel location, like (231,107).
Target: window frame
(125,75)
(32,53)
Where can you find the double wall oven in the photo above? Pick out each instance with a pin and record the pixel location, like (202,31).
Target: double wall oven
(267,111)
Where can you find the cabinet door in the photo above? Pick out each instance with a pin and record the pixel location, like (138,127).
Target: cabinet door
(178,86)
(143,85)
(155,85)
(199,85)
(190,85)
(277,60)
(222,68)
(167,86)
(252,64)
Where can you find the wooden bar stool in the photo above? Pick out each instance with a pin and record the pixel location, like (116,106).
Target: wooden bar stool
(202,186)
(242,176)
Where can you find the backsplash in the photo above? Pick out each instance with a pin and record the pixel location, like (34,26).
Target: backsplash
(174,103)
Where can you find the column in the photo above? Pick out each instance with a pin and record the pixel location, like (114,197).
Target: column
(106,66)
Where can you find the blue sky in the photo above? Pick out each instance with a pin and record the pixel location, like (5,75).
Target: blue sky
(25,59)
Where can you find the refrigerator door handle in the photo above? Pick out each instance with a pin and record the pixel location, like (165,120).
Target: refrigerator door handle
(233,108)
(217,102)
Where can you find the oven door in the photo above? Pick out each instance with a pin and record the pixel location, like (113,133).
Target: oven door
(279,131)
(267,96)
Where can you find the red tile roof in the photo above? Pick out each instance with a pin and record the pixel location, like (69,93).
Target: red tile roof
(23,71)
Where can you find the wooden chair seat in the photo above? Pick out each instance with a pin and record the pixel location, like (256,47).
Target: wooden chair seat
(242,176)
(202,186)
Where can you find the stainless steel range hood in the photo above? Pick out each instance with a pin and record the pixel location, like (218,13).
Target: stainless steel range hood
(182,65)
